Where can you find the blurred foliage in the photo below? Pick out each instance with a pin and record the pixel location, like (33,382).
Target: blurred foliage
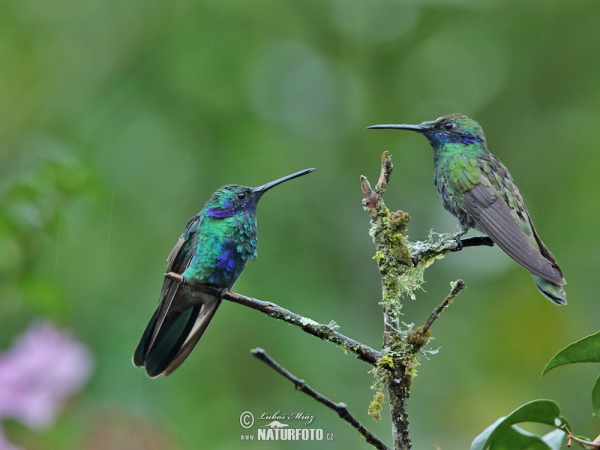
(586,349)
(119,119)
(504,432)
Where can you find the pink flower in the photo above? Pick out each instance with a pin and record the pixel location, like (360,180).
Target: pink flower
(43,368)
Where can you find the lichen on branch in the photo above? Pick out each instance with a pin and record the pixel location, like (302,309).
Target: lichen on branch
(401,266)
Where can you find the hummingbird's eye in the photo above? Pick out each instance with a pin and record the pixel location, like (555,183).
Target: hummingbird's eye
(241,196)
(449,125)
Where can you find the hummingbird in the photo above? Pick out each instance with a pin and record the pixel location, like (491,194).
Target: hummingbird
(479,191)
(213,250)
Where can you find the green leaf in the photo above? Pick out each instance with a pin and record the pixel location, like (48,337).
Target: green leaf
(583,350)
(480,442)
(596,397)
(516,438)
(500,433)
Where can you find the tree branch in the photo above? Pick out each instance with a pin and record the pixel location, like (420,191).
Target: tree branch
(451,244)
(592,445)
(401,266)
(340,408)
(322,331)
(370,195)
(420,337)
(457,286)
(396,368)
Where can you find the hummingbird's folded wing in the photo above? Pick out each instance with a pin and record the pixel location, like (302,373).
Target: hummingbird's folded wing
(178,261)
(495,217)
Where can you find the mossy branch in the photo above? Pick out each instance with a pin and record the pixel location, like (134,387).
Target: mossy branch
(401,266)
(425,253)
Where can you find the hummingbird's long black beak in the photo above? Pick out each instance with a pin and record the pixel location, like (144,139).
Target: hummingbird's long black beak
(265,187)
(418,128)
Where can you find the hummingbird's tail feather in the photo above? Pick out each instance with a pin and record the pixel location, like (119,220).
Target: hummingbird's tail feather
(552,291)
(178,335)
(139,355)
(205,315)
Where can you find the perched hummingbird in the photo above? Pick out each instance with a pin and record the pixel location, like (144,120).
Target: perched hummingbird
(213,249)
(478,190)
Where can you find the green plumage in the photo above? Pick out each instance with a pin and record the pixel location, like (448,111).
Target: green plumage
(213,250)
(222,245)
(479,191)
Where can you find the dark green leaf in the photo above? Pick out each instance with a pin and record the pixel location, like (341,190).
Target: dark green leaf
(480,442)
(583,350)
(516,438)
(541,411)
(596,397)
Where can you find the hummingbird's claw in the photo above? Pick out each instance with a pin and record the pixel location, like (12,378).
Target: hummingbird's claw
(175,277)
(458,240)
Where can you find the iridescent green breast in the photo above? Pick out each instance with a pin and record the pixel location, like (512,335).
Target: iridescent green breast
(225,237)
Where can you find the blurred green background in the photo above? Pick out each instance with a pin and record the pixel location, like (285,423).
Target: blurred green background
(118,119)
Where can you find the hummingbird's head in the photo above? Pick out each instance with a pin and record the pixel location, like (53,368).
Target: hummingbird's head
(232,199)
(453,128)
(229,200)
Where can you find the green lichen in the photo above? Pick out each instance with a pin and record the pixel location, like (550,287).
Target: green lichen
(412,280)
(401,264)
(382,372)
(437,244)
(332,325)
(393,258)
(400,279)
(376,405)
(386,362)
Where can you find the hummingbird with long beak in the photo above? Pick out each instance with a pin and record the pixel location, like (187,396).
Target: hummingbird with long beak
(213,250)
(479,191)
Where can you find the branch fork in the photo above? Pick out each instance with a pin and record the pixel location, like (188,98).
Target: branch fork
(401,273)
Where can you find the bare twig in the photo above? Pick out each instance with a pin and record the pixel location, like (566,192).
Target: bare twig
(385,174)
(322,331)
(595,445)
(421,336)
(476,241)
(340,408)
(457,286)
(371,196)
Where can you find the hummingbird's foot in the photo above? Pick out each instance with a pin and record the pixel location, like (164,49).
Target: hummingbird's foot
(458,239)
(222,292)
(175,277)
